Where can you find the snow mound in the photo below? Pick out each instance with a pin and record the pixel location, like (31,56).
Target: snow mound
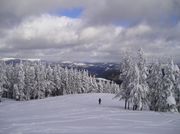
(81,114)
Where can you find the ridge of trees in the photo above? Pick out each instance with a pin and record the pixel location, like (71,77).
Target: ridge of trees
(35,80)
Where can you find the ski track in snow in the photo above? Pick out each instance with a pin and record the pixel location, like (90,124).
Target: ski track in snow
(81,114)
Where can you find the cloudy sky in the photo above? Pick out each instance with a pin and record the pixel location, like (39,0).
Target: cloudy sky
(89,30)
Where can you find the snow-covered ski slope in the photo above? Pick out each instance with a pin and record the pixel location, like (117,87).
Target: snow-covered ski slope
(81,114)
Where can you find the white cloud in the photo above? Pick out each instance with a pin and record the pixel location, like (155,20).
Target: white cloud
(138,31)
(105,29)
(49,28)
(63,38)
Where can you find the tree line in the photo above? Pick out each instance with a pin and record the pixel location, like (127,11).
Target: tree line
(35,80)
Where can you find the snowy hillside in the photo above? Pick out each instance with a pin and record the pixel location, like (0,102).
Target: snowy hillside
(81,114)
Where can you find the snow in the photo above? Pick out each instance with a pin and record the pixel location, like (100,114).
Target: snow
(6,59)
(33,59)
(171,100)
(80,64)
(81,114)
(102,79)
(66,62)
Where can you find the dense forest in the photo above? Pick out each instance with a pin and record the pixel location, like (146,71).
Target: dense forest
(35,80)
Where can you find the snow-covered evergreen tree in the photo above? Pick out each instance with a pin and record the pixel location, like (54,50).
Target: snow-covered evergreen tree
(114,88)
(175,77)
(49,81)
(100,87)
(16,92)
(85,82)
(20,82)
(126,74)
(177,93)
(10,80)
(141,70)
(177,86)
(57,81)
(3,78)
(93,85)
(65,78)
(136,94)
(154,81)
(79,82)
(161,88)
(30,82)
(169,84)
(40,81)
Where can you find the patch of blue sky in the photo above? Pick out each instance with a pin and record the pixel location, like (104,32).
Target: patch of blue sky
(175,19)
(169,20)
(72,12)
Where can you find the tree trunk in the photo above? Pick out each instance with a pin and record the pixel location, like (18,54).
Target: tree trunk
(141,107)
(125,104)
(128,104)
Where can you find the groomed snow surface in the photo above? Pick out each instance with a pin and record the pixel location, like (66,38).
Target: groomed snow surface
(81,114)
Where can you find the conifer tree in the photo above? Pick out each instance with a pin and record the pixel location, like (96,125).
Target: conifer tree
(127,71)
(3,79)
(29,80)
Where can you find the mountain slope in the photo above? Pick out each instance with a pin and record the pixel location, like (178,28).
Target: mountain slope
(81,114)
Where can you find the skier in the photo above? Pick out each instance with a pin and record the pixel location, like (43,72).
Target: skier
(99,100)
